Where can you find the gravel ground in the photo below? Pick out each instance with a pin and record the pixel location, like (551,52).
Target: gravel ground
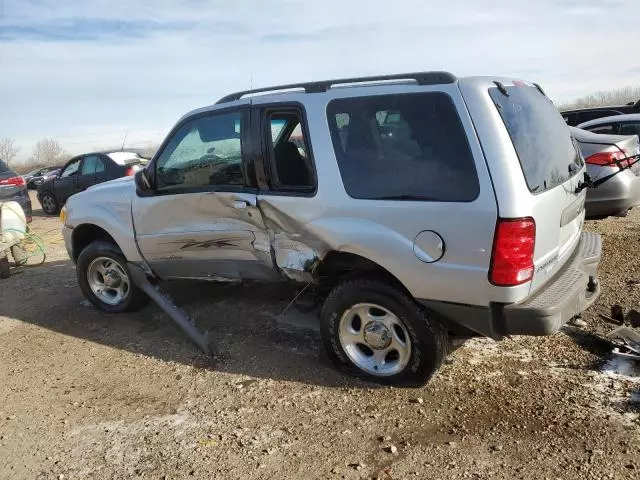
(89,395)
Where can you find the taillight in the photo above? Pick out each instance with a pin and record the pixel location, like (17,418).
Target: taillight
(610,159)
(129,171)
(512,256)
(13,181)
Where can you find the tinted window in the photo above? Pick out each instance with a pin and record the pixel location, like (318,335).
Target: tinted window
(606,128)
(92,164)
(541,138)
(71,169)
(402,147)
(203,152)
(291,167)
(629,128)
(4,167)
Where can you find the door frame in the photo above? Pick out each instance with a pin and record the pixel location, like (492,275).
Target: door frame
(264,158)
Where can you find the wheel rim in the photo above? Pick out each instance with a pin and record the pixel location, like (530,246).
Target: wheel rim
(108,280)
(375,339)
(48,203)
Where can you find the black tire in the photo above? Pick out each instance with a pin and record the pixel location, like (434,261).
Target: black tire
(135,299)
(428,337)
(4,268)
(49,204)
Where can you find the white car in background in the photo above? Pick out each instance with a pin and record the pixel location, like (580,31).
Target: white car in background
(628,124)
(612,160)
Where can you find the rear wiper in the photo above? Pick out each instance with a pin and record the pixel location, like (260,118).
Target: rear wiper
(407,197)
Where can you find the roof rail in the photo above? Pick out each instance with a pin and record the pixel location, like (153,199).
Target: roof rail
(422,78)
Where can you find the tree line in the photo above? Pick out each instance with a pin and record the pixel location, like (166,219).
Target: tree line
(46,153)
(605,98)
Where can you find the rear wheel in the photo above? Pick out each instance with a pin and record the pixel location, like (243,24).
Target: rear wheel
(105,279)
(49,204)
(377,332)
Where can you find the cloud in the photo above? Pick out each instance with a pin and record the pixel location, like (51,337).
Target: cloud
(86,29)
(77,70)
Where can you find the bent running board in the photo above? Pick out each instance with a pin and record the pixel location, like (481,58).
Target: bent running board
(184,321)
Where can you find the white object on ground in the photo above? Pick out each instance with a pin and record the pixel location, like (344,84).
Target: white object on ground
(13,224)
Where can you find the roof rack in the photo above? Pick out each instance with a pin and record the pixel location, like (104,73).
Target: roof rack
(422,78)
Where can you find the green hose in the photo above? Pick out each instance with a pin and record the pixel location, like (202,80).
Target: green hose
(29,253)
(28,237)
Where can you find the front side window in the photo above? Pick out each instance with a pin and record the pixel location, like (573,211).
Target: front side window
(71,169)
(403,147)
(204,152)
(290,166)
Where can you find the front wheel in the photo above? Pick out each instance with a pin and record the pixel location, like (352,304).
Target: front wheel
(105,280)
(49,204)
(377,332)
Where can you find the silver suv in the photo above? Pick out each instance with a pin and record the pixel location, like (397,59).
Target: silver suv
(420,207)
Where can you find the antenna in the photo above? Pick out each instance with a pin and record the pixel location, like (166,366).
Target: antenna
(124,140)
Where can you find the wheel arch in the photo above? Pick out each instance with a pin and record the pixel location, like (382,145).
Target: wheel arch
(340,265)
(85,234)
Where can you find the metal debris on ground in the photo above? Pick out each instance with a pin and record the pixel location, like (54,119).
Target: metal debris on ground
(626,341)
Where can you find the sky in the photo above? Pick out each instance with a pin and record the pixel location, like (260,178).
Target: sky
(87,73)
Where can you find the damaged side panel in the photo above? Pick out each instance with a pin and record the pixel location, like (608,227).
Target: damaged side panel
(209,236)
(296,251)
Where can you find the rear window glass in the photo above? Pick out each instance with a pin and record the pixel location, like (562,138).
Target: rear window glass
(3,166)
(124,158)
(540,136)
(402,147)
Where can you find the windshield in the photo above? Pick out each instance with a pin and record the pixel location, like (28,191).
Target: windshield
(547,153)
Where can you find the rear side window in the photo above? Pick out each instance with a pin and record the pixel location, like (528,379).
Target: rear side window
(402,147)
(92,164)
(541,138)
(606,128)
(4,167)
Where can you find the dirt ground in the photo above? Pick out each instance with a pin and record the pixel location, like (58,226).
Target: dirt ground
(89,395)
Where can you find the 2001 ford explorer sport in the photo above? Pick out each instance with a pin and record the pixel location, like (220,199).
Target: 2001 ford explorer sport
(423,205)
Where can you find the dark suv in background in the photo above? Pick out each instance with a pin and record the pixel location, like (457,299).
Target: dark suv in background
(581,115)
(14,188)
(83,171)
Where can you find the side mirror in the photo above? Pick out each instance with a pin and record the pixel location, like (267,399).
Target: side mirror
(143,182)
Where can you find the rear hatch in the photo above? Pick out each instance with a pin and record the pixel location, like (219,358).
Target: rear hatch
(552,167)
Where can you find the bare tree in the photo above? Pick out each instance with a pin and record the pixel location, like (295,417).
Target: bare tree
(47,152)
(606,98)
(8,150)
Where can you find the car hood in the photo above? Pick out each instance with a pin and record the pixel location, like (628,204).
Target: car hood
(111,184)
(114,195)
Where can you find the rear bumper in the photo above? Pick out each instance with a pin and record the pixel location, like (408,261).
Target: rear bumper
(614,197)
(572,290)
(25,202)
